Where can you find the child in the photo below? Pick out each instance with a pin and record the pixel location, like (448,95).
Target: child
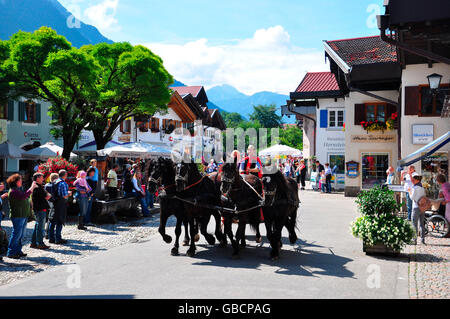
(323,182)
(82,196)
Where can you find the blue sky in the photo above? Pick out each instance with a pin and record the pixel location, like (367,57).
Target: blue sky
(213,42)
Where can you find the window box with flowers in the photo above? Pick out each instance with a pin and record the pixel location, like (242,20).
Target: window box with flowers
(373,126)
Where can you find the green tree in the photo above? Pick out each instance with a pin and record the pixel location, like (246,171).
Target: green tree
(132,82)
(232,120)
(44,65)
(292,136)
(266,115)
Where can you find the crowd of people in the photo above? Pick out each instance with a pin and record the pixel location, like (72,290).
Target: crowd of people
(46,203)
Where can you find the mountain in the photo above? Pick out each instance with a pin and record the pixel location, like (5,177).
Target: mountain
(30,15)
(231,100)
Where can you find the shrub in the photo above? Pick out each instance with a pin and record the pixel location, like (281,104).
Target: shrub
(378,223)
(377,201)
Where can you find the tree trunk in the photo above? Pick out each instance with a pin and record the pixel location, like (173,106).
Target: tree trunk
(100,139)
(69,144)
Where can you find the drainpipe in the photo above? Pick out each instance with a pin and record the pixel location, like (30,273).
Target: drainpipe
(383,25)
(290,109)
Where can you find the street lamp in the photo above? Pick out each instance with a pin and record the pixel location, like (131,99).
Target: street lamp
(434,80)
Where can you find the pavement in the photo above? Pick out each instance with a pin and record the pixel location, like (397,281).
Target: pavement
(327,262)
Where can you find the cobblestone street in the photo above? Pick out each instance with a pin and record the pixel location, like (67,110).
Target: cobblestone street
(429,271)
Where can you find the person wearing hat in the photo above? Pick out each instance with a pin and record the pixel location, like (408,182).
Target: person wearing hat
(416,193)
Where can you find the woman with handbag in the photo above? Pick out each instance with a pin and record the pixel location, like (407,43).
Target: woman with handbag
(20,206)
(417,192)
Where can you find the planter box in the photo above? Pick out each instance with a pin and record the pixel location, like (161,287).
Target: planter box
(379,249)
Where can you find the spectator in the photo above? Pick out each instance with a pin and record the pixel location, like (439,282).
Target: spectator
(408,185)
(416,193)
(287,169)
(319,167)
(328,176)
(39,199)
(51,202)
(323,182)
(111,182)
(94,178)
(251,164)
(212,167)
(92,184)
(390,179)
(58,218)
(445,192)
(2,197)
(302,173)
(82,197)
(139,193)
(20,206)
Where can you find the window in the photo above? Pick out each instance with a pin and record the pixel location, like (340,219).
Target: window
(125,127)
(336,119)
(339,162)
(154,123)
(433,165)
(374,167)
(4,111)
(376,112)
(30,112)
(431,104)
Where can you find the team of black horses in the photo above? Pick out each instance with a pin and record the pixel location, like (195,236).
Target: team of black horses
(193,198)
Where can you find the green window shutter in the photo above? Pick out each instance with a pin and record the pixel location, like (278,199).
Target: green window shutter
(10,110)
(21,111)
(38,113)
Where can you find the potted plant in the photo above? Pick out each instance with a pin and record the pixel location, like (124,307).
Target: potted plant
(380,229)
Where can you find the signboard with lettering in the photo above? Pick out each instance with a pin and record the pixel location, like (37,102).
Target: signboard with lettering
(372,138)
(352,169)
(422,133)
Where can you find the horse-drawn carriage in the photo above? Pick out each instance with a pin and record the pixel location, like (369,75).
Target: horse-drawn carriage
(226,196)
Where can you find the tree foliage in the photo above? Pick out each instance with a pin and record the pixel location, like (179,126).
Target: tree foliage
(94,87)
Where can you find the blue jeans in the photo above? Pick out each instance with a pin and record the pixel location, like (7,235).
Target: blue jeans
(409,205)
(83,203)
(15,243)
(149,198)
(38,233)
(87,216)
(142,200)
(54,231)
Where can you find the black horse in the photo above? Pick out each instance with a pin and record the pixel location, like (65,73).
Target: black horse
(280,209)
(198,194)
(162,173)
(245,192)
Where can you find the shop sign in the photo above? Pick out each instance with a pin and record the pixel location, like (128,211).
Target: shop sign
(32,136)
(3,131)
(371,138)
(125,138)
(422,134)
(352,169)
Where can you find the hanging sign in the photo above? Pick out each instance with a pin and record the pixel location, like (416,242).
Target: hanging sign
(352,169)
(422,133)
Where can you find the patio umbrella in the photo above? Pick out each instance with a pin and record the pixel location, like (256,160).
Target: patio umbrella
(46,151)
(9,150)
(141,150)
(281,150)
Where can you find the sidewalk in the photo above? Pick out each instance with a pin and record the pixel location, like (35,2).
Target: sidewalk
(429,269)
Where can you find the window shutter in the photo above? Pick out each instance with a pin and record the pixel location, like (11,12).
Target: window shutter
(412,100)
(390,109)
(156,123)
(360,113)
(323,118)
(38,113)
(121,126)
(22,106)
(10,110)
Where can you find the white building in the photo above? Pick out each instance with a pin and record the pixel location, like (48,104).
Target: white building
(319,104)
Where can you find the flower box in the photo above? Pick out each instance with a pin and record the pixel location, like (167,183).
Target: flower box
(379,249)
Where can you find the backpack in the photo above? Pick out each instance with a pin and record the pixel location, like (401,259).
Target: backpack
(54,191)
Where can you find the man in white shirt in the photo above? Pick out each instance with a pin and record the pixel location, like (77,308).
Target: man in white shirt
(416,193)
(406,178)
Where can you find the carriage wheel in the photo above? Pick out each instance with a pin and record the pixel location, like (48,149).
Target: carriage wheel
(437,226)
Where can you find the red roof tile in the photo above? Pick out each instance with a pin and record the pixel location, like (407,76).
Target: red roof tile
(366,50)
(182,90)
(318,82)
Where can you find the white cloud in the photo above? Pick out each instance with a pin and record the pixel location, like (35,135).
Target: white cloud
(102,15)
(266,62)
